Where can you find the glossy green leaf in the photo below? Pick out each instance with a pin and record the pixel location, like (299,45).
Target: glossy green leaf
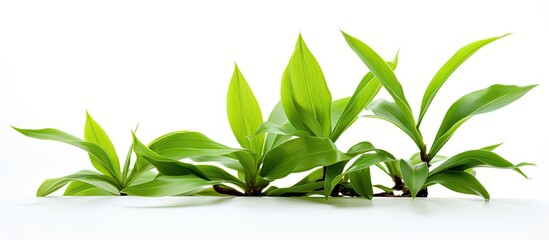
(298,155)
(414,176)
(86,176)
(94,133)
(383,188)
(389,111)
(477,158)
(361,182)
(367,89)
(244,113)
(216,173)
(187,144)
(458,181)
(100,159)
(477,102)
(416,158)
(332,172)
(301,188)
(277,117)
(384,73)
(491,147)
(304,94)
(170,186)
(165,165)
(76,188)
(361,163)
(447,69)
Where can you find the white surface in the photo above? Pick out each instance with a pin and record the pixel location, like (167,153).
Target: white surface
(167,65)
(270,218)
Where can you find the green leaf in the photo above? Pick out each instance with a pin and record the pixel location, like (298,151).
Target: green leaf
(338,106)
(481,101)
(277,117)
(76,188)
(216,173)
(416,158)
(86,176)
(304,94)
(491,147)
(244,113)
(361,182)
(477,158)
(298,155)
(363,162)
(100,159)
(367,89)
(447,69)
(389,111)
(384,73)
(301,188)
(414,176)
(284,129)
(459,181)
(94,133)
(383,188)
(187,144)
(170,186)
(165,165)
(332,172)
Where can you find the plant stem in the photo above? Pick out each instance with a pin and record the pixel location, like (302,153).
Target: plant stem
(227,191)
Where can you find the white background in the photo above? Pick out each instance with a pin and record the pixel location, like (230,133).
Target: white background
(167,65)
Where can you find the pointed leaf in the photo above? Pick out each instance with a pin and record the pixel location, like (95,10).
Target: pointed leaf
(365,92)
(170,186)
(482,101)
(414,176)
(76,188)
(361,182)
(94,133)
(459,181)
(298,155)
(100,159)
(278,117)
(383,72)
(477,158)
(244,113)
(447,69)
(304,94)
(90,177)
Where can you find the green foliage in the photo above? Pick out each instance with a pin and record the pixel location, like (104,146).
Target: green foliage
(298,136)
(455,172)
(108,181)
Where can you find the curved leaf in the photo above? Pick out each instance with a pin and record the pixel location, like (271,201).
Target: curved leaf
(459,181)
(383,72)
(414,176)
(100,159)
(165,165)
(76,188)
(298,155)
(367,89)
(86,176)
(481,101)
(278,117)
(244,113)
(186,144)
(215,173)
(447,69)
(477,158)
(361,163)
(361,182)
(304,94)
(170,186)
(301,188)
(94,133)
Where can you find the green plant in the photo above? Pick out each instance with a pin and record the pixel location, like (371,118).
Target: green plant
(456,173)
(109,180)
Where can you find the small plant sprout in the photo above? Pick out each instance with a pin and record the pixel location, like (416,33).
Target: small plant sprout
(108,179)
(412,176)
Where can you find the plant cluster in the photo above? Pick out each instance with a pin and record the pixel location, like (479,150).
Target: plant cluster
(298,136)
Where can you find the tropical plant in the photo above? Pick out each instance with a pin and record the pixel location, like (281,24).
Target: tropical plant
(108,179)
(412,176)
